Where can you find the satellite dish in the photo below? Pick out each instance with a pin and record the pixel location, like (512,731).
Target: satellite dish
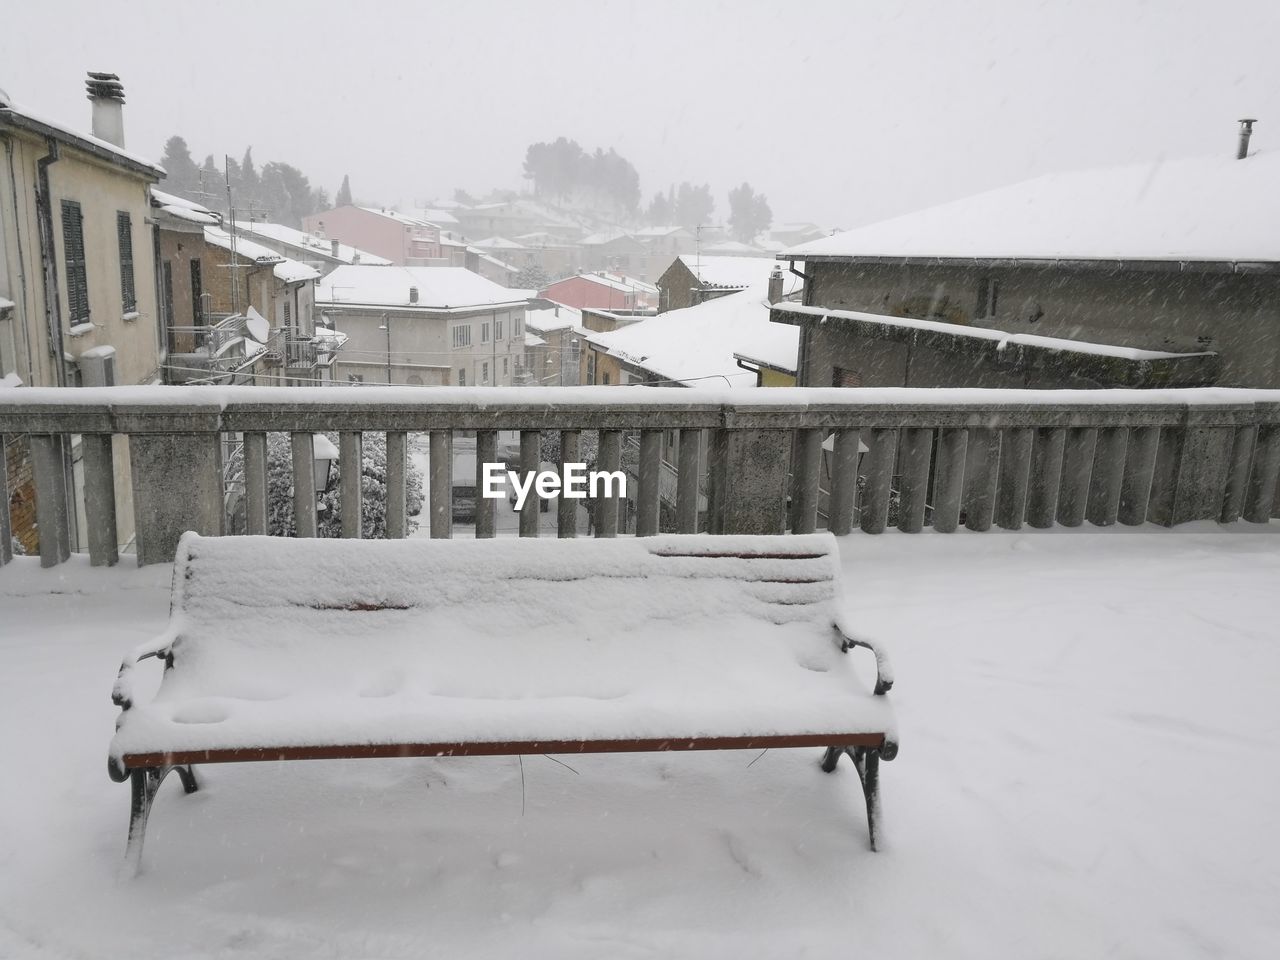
(256,325)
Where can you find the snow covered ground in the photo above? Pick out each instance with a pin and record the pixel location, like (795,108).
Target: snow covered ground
(1090,764)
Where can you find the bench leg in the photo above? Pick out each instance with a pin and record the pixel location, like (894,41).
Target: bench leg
(867,763)
(831,758)
(143,785)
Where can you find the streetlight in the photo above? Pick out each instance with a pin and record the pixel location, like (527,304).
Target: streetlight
(386,325)
(324,454)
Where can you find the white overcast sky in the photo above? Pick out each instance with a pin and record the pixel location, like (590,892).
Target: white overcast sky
(841,112)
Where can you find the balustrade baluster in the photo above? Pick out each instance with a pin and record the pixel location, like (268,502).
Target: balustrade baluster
(351,473)
(254,454)
(1077,465)
(567,508)
(440,495)
(689,462)
(397,484)
(982,477)
(805,475)
(100,498)
(302,449)
(844,480)
(1139,469)
(649,472)
(1107,477)
(913,494)
(882,448)
(948,478)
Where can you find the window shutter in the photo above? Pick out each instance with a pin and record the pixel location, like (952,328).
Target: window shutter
(73,254)
(128,293)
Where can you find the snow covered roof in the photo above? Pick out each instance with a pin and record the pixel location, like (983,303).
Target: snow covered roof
(399,217)
(439,288)
(552,318)
(613,281)
(732,248)
(13,115)
(182,208)
(649,232)
(497,243)
(730,272)
(532,339)
(291,271)
(696,345)
(542,238)
(307,242)
(599,239)
(244,247)
(1195,210)
(6,304)
(435,215)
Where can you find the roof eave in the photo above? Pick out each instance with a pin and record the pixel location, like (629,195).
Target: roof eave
(21,121)
(1064,263)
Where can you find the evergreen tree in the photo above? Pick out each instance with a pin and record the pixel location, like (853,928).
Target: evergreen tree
(694,205)
(530,277)
(659,213)
(183,175)
(344,192)
(249,197)
(749,213)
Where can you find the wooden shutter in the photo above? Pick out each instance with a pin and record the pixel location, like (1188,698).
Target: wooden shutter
(128,292)
(73,254)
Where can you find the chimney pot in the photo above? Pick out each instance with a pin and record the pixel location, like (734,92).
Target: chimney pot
(1246,131)
(413,294)
(775,285)
(106,93)
(333,246)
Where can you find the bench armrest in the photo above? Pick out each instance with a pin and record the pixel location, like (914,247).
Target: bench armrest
(122,691)
(884,669)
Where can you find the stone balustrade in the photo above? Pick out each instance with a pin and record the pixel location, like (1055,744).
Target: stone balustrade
(778,460)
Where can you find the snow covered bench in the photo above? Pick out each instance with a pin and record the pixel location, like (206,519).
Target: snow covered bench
(283,649)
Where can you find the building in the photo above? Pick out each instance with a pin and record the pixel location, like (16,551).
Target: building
(553,344)
(555,255)
(1161,274)
(78,301)
(602,291)
(700,346)
(431,326)
(615,252)
(691,280)
(664,245)
(323,254)
(397,237)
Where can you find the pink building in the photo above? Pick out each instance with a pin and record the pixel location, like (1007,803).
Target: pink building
(405,241)
(602,291)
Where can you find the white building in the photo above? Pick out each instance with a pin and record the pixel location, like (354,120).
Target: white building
(429,326)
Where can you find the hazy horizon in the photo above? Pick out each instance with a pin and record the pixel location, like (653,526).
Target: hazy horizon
(840,113)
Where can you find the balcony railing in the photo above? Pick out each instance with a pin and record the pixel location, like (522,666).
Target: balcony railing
(977,457)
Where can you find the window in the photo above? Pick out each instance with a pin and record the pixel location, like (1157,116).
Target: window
(591,366)
(606,379)
(124,233)
(197,295)
(462,336)
(73,253)
(462,376)
(988,295)
(844,377)
(484,372)
(505,367)
(355,378)
(484,333)
(497,330)
(517,326)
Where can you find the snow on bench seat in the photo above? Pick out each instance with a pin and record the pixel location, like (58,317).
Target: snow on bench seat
(330,648)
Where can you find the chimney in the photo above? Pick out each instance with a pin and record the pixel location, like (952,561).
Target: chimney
(413,294)
(333,248)
(106,93)
(775,285)
(1246,131)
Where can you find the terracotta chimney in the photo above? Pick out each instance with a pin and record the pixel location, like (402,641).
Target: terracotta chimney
(1246,131)
(106,93)
(775,285)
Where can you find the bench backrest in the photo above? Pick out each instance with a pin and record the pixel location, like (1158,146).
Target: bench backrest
(285,597)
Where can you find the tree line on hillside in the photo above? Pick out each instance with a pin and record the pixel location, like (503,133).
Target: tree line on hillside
(605,180)
(279,192)
(691,206)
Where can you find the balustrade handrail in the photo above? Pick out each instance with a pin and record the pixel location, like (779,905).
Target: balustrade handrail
(977,457)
